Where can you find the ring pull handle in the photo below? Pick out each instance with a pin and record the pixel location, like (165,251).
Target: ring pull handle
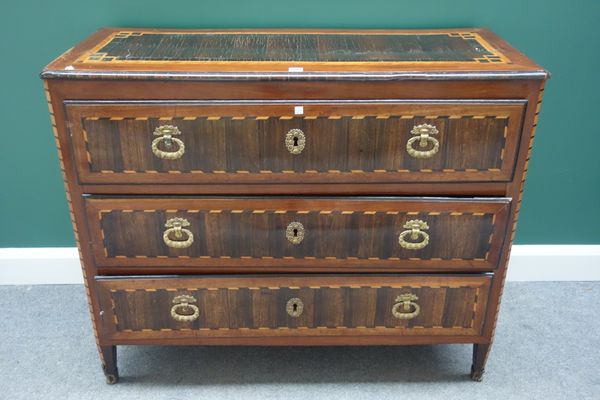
(183,237)
(294,307)
(423,134)
(295,140)
(405,306)
(166,140)
(183,311)
(415,230)
(295,232)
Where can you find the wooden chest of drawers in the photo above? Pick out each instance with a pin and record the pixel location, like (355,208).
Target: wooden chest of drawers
(293,187)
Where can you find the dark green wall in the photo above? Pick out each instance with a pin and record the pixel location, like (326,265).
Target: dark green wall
(561,199)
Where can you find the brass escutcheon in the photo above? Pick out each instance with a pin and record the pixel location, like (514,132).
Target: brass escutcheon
(423,133)
(294,307)
(175,226)
(183,311)
(415,227)
(166,133)
(404,303)
(295,140)
(295,232)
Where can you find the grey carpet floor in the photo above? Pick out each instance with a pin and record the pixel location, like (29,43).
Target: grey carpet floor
(547,347)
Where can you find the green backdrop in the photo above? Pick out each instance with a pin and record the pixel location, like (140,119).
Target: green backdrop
(561,197)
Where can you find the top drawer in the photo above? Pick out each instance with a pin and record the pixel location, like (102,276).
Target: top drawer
(295,142)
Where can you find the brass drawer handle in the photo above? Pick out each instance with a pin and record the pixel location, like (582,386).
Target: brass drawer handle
(183,311)
(175,226)
(415,227)
(295,140)
(423,133)
(404,304)
(295,232)
(294,307)
(166,133)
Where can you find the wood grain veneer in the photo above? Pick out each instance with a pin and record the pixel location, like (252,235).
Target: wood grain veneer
(356,96)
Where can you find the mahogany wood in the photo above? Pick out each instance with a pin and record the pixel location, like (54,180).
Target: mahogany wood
(352,305)
(348,142)
(480,353)
(109,354)
(249,234)
(511,63)
(461,72)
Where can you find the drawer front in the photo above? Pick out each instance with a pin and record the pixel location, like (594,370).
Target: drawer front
(261,234)
(204,143)
(293,306)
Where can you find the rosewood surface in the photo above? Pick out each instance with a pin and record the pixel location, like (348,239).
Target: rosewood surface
(331,305)
(104,110)
(353,142)
(249,234)
(451,53)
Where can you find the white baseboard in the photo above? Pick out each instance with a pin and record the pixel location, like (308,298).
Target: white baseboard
(554,263)
(34,266)
(39,265)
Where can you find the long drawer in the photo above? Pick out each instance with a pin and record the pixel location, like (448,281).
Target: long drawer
(284,306)
(303,142)
(186,235)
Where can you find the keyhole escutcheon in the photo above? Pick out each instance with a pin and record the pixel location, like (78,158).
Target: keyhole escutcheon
(295,140)
(294,307)
(295,232)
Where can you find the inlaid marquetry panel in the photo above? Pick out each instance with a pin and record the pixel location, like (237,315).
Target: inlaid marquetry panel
(324,54)
(245,306)
(146,47)
(333,232)
(242,143)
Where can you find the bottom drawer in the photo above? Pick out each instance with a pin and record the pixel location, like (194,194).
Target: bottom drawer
(213,310)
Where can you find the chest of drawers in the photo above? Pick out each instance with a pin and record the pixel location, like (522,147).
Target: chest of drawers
(293,187)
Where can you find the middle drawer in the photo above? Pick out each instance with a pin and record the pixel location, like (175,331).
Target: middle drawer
(179,235)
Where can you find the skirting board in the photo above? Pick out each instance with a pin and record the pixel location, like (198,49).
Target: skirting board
(36,266)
